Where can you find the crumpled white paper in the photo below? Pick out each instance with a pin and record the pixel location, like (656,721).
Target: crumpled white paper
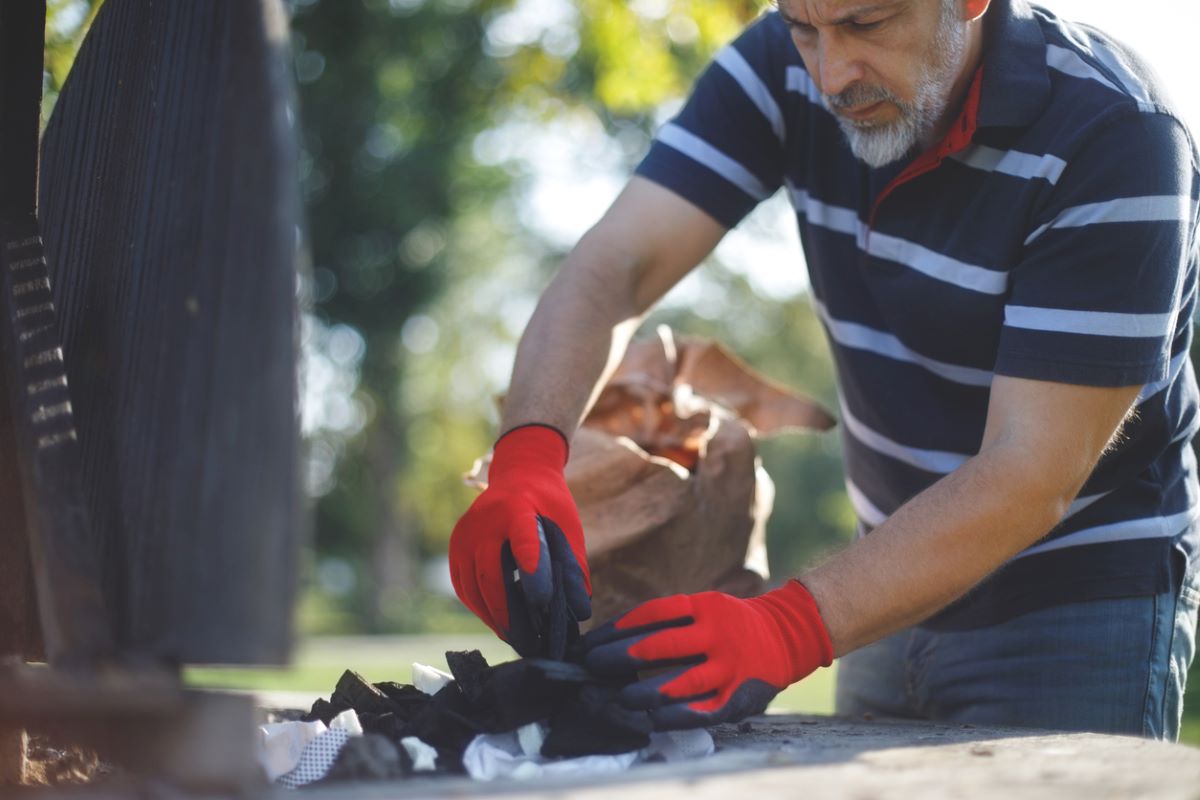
(317,758)
(429,680)
(424,757)
(297,753)
(294,754)
(347,721)
(517,754)
(281,743)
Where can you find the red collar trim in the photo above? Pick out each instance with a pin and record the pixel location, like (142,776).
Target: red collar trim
(956,139)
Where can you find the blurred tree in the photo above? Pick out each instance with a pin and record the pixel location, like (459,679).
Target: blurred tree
(617,57)
(391,95)
(394,97)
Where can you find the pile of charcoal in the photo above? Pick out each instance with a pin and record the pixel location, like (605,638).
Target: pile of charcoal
(579,711)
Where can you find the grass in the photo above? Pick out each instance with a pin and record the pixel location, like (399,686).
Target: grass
(1189,731)
(319,663)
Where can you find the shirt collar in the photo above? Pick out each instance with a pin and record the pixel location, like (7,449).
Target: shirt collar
(1016,77)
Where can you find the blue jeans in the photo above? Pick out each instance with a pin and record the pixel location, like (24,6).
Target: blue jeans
(1111,666)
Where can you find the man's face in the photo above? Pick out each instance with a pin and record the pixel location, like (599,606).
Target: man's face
(886,68)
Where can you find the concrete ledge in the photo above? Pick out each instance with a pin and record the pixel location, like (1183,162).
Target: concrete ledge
(826,757)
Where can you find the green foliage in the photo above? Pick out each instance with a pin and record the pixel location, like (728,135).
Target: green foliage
(623,58)
(1189,731)
(391,95)
(67,22)
(639,61)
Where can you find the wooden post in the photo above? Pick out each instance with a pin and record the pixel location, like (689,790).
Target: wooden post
(13,744)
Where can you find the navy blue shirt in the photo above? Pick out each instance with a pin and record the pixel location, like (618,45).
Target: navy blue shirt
(1050,236)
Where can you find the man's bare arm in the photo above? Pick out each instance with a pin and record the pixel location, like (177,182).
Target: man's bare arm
(1041,442)
(647,241)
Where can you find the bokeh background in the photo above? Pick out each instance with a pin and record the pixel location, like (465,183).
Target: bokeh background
(453,151)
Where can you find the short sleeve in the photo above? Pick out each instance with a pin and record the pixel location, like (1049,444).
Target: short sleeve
(724,151)
(1107,267)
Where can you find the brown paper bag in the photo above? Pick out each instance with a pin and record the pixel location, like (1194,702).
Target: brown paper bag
(670,490)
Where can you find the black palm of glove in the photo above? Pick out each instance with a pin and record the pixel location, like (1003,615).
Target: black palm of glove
(541,630)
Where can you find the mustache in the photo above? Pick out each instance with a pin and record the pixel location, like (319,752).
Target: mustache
(857,96)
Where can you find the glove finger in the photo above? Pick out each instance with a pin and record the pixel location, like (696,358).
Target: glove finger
(615,657)
(653,615)
(686,698)
(735,703)
(574,582)
(651,692)
(532,553)
(680,716)
(523,632)
(462,576)
(566,519)
(704,680)
(610,659)
(489,578)
(671,645)
(651,612)
(560,630)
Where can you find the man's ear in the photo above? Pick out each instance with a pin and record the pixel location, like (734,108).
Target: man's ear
(974,9)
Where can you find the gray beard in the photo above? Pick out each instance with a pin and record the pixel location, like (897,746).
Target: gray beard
(879,144)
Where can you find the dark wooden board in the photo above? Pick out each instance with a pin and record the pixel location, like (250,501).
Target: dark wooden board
(20,633)
(170,212)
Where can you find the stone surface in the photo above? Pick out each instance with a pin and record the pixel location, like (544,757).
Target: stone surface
(784,755)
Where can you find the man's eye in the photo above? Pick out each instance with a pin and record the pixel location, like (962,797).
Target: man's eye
(863,27)
(803,29)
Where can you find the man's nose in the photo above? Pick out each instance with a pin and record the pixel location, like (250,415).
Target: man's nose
(837,64)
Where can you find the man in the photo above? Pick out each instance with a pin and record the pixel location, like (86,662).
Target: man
(998,211)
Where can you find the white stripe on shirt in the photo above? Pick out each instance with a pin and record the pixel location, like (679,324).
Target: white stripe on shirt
(1070,63)
(1151,528)
(835,218)
(935,265)
(1151,389)
(745,76)
(881,343)
(866,511)
(1091,323)
(1151,208)
(1081,503)
(1115,62)
(706,155)
(938,461)
(870,514)
(922,259)
(1013,162)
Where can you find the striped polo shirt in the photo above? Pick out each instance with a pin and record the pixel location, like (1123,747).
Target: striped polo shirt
(1050,236)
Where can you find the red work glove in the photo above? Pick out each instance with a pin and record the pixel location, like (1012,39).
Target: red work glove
(517,556)
(738,654)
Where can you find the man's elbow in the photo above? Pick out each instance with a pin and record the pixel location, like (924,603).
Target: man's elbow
(1038,486)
